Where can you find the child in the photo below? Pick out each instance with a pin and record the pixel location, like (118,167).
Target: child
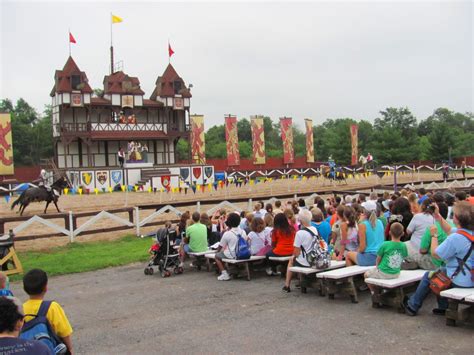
(389,257)
(4,289)
(35,284)
(257,237)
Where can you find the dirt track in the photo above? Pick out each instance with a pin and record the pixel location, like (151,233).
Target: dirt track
(85,203)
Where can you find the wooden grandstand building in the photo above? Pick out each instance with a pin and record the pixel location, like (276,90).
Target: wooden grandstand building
(90,128)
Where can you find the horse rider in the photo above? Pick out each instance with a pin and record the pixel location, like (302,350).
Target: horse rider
(369,158)
(332,166)
(43,180)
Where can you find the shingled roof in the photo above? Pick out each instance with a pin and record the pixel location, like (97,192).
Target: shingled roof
(121,83)
(164,85)
(62,79)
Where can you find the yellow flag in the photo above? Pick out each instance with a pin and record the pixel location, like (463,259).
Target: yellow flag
(116,19)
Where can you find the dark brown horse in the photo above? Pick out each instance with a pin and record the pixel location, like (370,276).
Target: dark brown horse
(40,194)
(336,175)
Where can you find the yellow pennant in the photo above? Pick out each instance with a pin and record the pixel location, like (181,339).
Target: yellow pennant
(123,188)
(80,191)
(66,190)
(116,19)
(111,189)
(96,190)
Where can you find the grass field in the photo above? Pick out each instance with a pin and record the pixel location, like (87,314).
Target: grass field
(81,257)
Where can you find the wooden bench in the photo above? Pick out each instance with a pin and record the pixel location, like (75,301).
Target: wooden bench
(201,260)
(342,281)
(245,263)
(391,292)
(304,275)
(457,296)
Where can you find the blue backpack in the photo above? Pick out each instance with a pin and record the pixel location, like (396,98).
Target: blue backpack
(40,329)
(242,250)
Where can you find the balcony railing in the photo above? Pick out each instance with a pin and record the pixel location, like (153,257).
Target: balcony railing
(77,128)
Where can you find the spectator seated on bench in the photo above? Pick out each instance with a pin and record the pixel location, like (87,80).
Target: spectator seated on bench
(389,257)
(228,244)
(283,237)
(371,237)
(457,253)
(303,240)
(195,239)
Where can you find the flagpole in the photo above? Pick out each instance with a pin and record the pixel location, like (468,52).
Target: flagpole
(111,47)
(69,40)
(169,57)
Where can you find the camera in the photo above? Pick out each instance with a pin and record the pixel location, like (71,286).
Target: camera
(431,209)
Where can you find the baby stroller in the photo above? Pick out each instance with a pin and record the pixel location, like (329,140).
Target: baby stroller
(164,255)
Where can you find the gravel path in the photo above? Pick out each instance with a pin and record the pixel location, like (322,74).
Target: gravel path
(122,311)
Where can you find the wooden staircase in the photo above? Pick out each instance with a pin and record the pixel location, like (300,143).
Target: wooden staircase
(148,174)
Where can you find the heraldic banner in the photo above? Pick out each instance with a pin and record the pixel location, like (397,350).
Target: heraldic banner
(198,149)
(6,148)
(231,137)
(286,127)
(309,141)
(258,140)
(354,139)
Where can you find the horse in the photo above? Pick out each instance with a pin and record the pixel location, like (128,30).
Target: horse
(40,194)
(336,175)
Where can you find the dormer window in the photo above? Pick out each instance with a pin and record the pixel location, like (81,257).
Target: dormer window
(75,82)
(177,86)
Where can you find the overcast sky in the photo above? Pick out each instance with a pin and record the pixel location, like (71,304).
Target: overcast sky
(303,60)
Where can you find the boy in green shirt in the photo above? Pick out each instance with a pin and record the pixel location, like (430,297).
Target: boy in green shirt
(389,256)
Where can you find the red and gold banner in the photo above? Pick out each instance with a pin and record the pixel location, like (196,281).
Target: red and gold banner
(231,137)
(258,140)
(354,139)
(198,148)
(309,141)
(6,148)
(286,127)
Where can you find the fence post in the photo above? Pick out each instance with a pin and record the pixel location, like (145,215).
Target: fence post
(250,205)
(198,206)
(137,220)
(71,228)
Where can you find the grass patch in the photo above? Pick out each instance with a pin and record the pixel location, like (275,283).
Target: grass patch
(81,257)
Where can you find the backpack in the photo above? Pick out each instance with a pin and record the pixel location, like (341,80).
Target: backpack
(242,250)
(39,329)
(318,256)
(462,263)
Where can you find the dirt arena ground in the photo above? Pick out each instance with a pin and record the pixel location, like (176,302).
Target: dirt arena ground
(105,201)
(122,311)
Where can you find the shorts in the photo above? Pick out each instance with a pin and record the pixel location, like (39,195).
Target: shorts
(220,255)
(296,263)
(375,273)
(366,259)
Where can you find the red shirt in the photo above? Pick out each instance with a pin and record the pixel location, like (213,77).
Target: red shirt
(283,242)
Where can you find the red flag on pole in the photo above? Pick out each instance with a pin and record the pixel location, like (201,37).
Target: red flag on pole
(170,50)
(71,38)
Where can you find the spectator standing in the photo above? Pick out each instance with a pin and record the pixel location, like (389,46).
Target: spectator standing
(35,284)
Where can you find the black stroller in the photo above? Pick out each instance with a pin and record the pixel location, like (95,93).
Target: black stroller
(164,254)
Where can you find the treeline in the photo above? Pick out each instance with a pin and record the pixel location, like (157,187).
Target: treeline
(395,136)
(32,133)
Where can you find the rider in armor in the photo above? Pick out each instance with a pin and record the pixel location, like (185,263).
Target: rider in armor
(332,166)
(43,180)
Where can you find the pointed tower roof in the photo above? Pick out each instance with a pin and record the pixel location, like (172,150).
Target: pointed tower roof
(63,79)
(121,83)
(165,85)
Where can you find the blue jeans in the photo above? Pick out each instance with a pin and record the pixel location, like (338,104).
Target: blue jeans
(422,291)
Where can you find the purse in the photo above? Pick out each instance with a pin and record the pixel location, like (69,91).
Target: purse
(439,281)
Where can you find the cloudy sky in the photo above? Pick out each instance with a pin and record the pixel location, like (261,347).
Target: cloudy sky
(300,59)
